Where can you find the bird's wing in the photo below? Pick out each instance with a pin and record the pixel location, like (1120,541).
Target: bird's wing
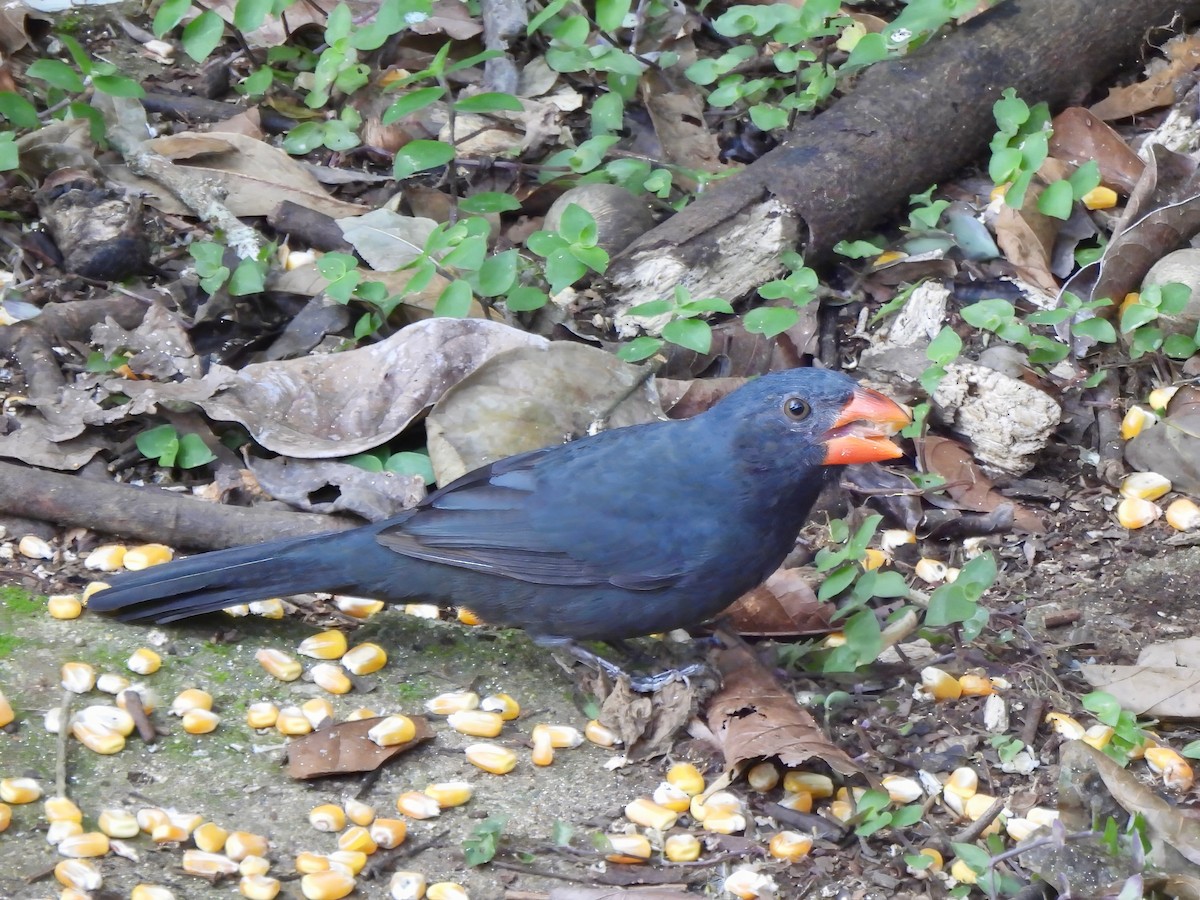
(524,518)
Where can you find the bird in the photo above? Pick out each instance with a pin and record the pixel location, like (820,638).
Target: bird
(627,532)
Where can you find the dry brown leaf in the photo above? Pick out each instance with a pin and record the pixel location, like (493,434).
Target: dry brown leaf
(1027,239)
(451,18)
(782,606)
(1161,88)
(1080,137)
(345,749)
(966,483)
(754,717)
(17,21)
(1171,447)
(681,127)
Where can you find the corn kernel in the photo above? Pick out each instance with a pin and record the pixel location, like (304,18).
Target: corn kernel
(327,817)
(562,737)
(874,559)
(1160,397)
(393,730)
(254,865)
(189,822)
(317,710)
(975,685)
(362,712)
(450,793)
(357,838)
(1065,726)
(1134,513)
(79,874)
(723,821)
(102,741)
(268,609)
(416,805)
(324,645)
(331,884)
(763,777)
(649,814)
(189,699)
(407,886)
(834,640)
(666,794)
(940,684)
(110,718)
(78,677)
(389,833)
(1100,197)
(446,890)
(88,844)
(92,587)
(687,778)
(811,783)
(790,846)
(931,571)
(358,812)
(476,722)
(1135,421)
(169,833)
(800,801)
(423,610)
(147,697)
(1174,769)
(306,863)
(963,873)
(5,817)
(1098,736)
(200,721)
(210,837)
(492,758)
(6,711)
(466,617)
(20,790)
(508,708)
(600,735)
(147,555)
(118,823)
(842,810)
(747,884)
(680,848)
(237,611)
(364,659)
(72,894)
(543,748)
(259,887)
(1145,485)
(33,547)
(452,702)
(105,558)
(331,678)
(352,861)
(721,802)
(358,607)
(150,817)
(62,809)
(262,715)
(241,844)
(902,789)
(893,539)
(628,848)
(278,664)
(64,606)
(963,781)
(292,722)
(976,805)
(1019,829)
(56,831)
(1183,515)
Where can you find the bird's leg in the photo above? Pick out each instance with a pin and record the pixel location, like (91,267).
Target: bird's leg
(643,684)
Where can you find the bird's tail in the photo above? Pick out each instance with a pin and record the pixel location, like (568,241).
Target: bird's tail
(212,581)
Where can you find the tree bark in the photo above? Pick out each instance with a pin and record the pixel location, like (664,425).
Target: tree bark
(908,124)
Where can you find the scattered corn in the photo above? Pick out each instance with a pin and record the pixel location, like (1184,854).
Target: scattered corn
(331,884)
(671,797)
(324,645)
(56,831)
(417,805)
(562,737)
(874,559)
(446,890)
(687,778)
(629,848)
(262,715)
(600,735)
(1135,421)
(5,817)
(1065,726)
(1100,197)
(278,664)
(393,730)
(976,805)
(467,617)
(241,844)
(362,712)
(389,833)
(64,606)
(723,821)
(800,801)
(78,677)
(105,558)
(6,711)
(963,873)
(102,741)
(306,863)
(358,607)
(352,861)
(150,817)
(356,837)
(364,659)
(1145,485)
(1183,515)
(268,609)
(492,758)
(358,812)
(147,555)
(259,887)
(199,862)
(1098,736)
(931,571)
(543,748)
(189,699)
(680,848)
(20,790)
(975,685)
(407,886)
(331,678)
(151,892)
(648,814)
(78,874)
(963,782)
(92,587)
(237,611)
(891,539)
(118,823)
(508,708)
(327,817)
(110,718)
(1019,829)
(88,844)
(902,789)
(317,710)
(254,865)
(1174,769)
(169,833)
(210,837)
(747,884)
(62,809)
(33,547)
(476,722)
(189,822)
(763,777)
(449,794)
(200,721)
(452,702)
(812,783)
(147,697)
(292,722)
(1134,513)
(1160,397)
(940,684)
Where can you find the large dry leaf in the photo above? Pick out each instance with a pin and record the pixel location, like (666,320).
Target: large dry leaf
(253,177)
(782,606)
(1080,137)
(386,240)
(1171,446)
(754,717)
(681,128)
(340,404)
(17,20)
(345,749)
(1027,239)
(966,483)
(1161,87)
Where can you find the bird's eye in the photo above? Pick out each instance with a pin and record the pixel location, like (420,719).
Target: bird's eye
(796,409)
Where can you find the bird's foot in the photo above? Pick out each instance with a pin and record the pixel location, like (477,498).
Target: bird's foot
(642,684)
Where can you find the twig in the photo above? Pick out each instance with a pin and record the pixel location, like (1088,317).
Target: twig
(60,749)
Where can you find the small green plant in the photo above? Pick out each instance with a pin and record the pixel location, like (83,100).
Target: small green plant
(1128,733)
(942,350)
(873,813)
(686,327)
(484,841)
(248,277)
(957,602)
(405,462)
(1138,316)
(169,448)
(799,288)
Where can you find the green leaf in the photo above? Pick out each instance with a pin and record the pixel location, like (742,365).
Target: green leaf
(610,14)
(417,156)
(304,138)
(489,102)
(1004,165)
(1010,111)
(770,320)
(498,273)
(837,581)
(945,347)
(890,584)
(551,9)
(412,102)
(988,314)
(454,300)
(543,243)
(160,443)
(193,452)
(1175,297)
(202,35)
(1135,315)
(857,249)
(169,14)
(1179,346)
(563,269)
(56,73)
(693,334)
(767,117)
(248,15)
(408,462)
(608,113)
(1103,706)
(248,278)
(525,299)
(18,110)
(1085,178)
(639,348)
(368,462)
(870,49)
(1098,329)
(651,308)
(489,202)
(577,225)
(467,256)
(1057,200)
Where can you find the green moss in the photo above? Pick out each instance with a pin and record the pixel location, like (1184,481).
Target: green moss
(18,600)
(9,643)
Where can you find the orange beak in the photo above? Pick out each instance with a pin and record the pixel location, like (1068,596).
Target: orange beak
(861,433)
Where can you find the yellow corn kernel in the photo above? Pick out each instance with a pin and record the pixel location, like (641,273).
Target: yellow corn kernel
(210,837)
(963,781)
(56,831)
(1136,421)
(842,810)
(352,861)
(723,821)
(19,790)
(362,712)
(357,838)
(81,846)
(358,812)
(1160,397)
(79,874)
(364,659)
(1134,513)
(600,735)
(800,801)
(1174,769)
(790,846)
(466,617)
(268,609)
(407,886)
(389,833)
(317,710)
(110,718)
(931,571)
(111,683)
(680,848)
(648,814)
(92,587)
(33,547)
(200,721)
(722,803)
(423,610)
(72,894)
(976,805)
(259,887)
(902,789)
(763,777)
(237,611)
(327,817)
(118,823)
(102,741)
(64,606)
(5,817)
(671,797)
(241,844)
(1183,515)
(446,890)
(105,558)
(476,722)
(331,884)
(416,805)
(543,748)
(1098,736)
(892,539)
(324,645)
(307,862)
(393,730)
(1019,829)
(151,892)
(747,884)
(1145,485)
(975,685)
(292,722)
(6,711)
(940,684)
(62,809)
(169,833)
(189,822)
(78,677)
(278,664)
(1100,197)
(813,783)
(147,555)
(508,708)
(452,702)
(449,794)
(687,778)
(150,817)
(1064,726)
(628,848)
(562,737)
(963,873)
(331,678)
(254,865)
(189,699)
(492,758)
(358,607)
(262,715)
